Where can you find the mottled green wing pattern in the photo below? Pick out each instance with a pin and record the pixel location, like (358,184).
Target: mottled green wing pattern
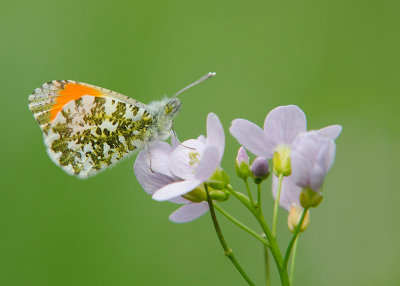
(93,132)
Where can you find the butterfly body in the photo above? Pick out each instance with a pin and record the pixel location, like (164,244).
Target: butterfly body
(88,128)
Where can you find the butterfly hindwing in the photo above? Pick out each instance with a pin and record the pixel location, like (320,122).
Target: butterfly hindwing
(87,128)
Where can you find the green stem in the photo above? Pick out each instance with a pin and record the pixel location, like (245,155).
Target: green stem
(292,262)
(249,192)
(294,237)
(228,251)
(259,198)
(241,225)
(276,206)
(242,198)
(276,253)
(267,271)
(273,244)
(266,255)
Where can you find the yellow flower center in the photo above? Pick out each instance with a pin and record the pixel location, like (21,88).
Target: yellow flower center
(194,158)
(281,160)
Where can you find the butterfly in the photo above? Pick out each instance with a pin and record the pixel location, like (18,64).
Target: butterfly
(87,128)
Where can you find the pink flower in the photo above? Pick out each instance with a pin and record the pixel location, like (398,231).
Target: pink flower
(281,127)
(182,168)
(312,156)
(293,149)
(195,161)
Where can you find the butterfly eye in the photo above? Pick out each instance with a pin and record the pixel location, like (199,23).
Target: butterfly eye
(168,109)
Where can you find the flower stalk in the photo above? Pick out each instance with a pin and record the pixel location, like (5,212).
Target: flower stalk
(292,262)
(228,251)
(259,208)
(294,238)
(249,192)
(276,206)
(241,225)
(267,271)
(273,244)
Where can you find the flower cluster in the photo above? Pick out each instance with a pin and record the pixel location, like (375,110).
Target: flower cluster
(189,173)
(180,172)
(304,158)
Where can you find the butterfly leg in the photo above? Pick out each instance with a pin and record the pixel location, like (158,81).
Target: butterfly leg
(175,141)
(149,156)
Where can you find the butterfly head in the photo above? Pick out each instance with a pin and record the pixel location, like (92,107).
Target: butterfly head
(172,107)
(163,112)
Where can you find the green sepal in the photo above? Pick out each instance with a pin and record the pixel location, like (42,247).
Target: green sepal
(197,195)
(242,170)
(219,180)
(260,180)
(309,198)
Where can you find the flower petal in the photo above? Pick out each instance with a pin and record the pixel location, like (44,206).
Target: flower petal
(209,161)
(283,124)
(182,161)
(159,157)
(311,158)
(149,180)
(251,137)
(215,133)
(189,212)
(179,200)
(175,189)
(290,192)
(331,131)
(324,161)
(202,139)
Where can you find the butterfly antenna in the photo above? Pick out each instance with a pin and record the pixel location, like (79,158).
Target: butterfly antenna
(203,78)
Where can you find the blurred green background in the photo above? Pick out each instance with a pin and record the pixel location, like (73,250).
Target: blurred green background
(337,60)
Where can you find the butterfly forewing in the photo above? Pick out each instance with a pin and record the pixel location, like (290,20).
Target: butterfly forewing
(88,128)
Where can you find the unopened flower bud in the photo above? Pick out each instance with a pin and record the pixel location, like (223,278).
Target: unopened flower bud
(242,164)
(219,180)
(218,195)
(259,169)
(294,217)
(281,160)
(310,198)
(197,195)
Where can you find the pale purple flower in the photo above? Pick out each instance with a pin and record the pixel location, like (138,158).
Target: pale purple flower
(152,171)
(312,156)
(169,172)
(290,192)
(194,161)
(242,156)
(281,127)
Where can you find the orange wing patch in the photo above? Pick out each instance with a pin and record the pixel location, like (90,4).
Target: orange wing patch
(71,91)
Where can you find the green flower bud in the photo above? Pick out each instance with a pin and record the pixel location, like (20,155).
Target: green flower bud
(242,164)
(218,195)
(197,195)
(219,180)
(281,161)
(309,198)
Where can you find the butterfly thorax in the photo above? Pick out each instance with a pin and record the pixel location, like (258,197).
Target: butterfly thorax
(163,111)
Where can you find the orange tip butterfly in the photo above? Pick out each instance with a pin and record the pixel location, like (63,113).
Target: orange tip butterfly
(87,128)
